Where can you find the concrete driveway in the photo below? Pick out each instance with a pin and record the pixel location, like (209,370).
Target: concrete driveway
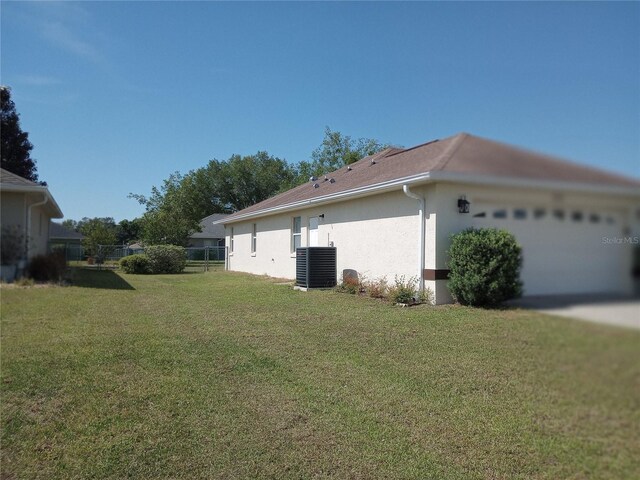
(606,309)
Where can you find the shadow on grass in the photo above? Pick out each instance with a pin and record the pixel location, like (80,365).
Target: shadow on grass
(92,278)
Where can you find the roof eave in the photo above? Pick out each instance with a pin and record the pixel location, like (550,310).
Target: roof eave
(518,182)
(440,177)
(8,187)
(331,198)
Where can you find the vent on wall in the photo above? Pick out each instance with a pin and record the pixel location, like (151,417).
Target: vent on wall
(316,267)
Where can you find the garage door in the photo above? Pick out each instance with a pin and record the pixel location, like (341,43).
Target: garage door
(564,250)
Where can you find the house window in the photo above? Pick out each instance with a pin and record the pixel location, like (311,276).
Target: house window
(558,214)
(296,233)
(539,213)
(520,214)
(254,237)
(231,241)
(500,214)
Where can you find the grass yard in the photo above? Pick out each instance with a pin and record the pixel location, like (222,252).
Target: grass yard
(225,375)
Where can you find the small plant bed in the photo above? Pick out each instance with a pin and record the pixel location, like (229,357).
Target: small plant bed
(403,292)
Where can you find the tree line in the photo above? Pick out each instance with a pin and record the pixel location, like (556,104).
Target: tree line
(174,209)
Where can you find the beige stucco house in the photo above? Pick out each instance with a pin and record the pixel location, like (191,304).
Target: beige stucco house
(26,209)
(392,213)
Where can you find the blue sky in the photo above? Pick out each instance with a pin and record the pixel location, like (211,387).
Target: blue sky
(117,95)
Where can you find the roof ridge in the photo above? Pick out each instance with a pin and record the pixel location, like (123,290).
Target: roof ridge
(447,155)
(403,150)
(557,159)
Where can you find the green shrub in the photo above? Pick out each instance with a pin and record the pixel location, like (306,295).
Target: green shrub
(403,290)
(484,267)
(12,247)
(427,296)
(166,258)
(138,264)
(47,268)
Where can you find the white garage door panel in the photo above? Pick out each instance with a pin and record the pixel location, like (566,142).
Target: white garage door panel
(564,256)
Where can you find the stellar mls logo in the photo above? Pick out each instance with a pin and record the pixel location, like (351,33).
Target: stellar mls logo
(621,240)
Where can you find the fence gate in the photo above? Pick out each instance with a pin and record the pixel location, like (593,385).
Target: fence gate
(205,259)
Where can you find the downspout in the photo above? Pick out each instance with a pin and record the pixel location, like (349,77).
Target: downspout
(28,238)
(421,206)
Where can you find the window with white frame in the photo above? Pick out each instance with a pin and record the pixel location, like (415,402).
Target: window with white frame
(296,233)
(231,241)
(254,238)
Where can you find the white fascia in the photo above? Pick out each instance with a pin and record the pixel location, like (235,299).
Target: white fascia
(429,177)
(331,198)
(34,189)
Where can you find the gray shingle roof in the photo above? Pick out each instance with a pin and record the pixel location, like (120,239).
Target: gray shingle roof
(9,178)
(209,230)
(57,231)
(10,182)
(462,154)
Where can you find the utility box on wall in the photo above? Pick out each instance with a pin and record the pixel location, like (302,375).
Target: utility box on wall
(316,267)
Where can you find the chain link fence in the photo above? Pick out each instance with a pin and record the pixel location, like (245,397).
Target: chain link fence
(199,259)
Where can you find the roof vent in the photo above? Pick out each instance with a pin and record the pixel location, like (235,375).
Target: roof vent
(315,185)
(326,178)
(332,180)
(312,179)
(373,162)
(349,168)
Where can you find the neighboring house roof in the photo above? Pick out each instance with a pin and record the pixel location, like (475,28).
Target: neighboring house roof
(136,246)
(209,230)
(10,182)
(462,157)
(60,232)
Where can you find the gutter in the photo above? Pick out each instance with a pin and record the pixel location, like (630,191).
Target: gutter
(439,176)
(7,187)
(421,207)
(334,197)
(28,229)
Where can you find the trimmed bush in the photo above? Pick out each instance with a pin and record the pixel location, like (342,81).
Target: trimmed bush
(484,267)
(47,268)
(166,258)
(138,264)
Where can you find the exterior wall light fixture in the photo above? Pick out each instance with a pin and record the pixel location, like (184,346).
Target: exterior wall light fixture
(463,204)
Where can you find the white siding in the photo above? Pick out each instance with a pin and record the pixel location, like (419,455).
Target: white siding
(38,243)
(558,256)
(377,236)
(14,213)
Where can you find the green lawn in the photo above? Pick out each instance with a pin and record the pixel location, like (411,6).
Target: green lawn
(224,375)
